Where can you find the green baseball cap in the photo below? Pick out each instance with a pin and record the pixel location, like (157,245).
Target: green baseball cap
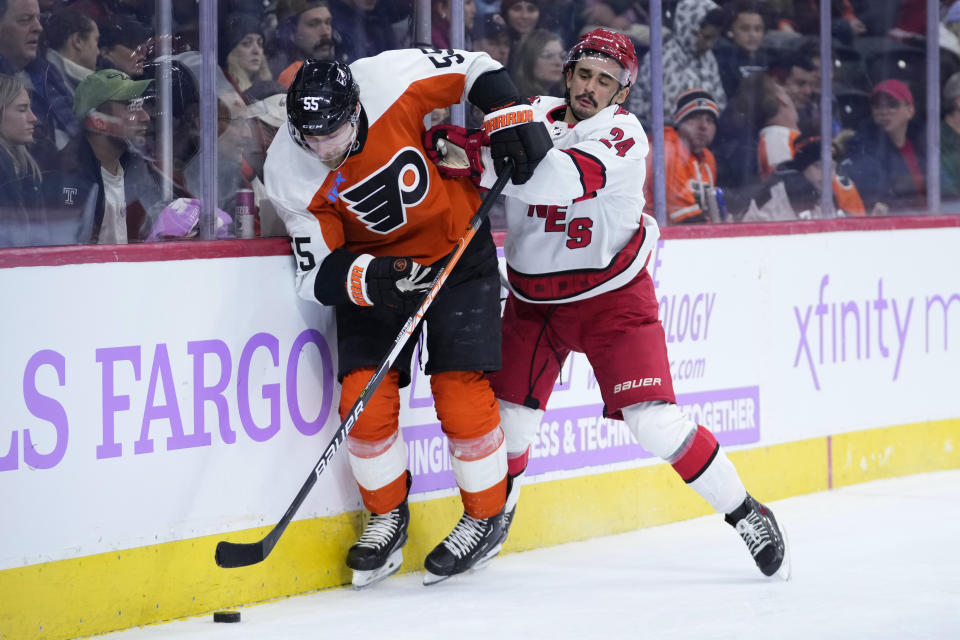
(106,85)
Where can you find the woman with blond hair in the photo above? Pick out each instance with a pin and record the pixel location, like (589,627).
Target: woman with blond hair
(241,51)
(20,197)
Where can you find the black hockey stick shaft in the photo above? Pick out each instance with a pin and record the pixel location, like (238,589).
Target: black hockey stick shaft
(239,554)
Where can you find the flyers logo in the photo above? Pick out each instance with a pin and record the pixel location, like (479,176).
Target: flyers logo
(381,200)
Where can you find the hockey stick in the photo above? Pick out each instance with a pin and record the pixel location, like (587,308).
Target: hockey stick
(239,554)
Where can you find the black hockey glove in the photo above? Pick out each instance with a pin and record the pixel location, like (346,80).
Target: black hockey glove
(514,134)
(395,283)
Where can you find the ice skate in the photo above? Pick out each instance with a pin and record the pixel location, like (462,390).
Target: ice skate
(471,545)
(378,553)
(764,538)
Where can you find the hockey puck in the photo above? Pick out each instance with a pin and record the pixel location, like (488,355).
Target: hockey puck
(226,616)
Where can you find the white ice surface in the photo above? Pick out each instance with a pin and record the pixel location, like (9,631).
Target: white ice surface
(877,560)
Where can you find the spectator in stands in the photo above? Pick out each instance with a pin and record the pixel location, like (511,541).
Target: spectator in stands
(739,52)
(538,64)
(630,18)
(267,112)
(366,26)
(844,23)
(440,23)
(234,139)
(792,192)
(689,165)
(735,145)
(304,30)
(20,197)
(521,17)
(911,25)
(950,139)
(49,97)
(241,51)
(798,73)
(186,22)
(490,34)
(780,127)
(121,38)
(72,41)
(184,116)
(565,18)
(778,144)
(688,59)
(888,153)
(113,189)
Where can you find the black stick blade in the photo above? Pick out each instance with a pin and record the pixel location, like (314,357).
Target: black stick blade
(230,555)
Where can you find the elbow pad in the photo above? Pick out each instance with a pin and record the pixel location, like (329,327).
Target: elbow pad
(494,90)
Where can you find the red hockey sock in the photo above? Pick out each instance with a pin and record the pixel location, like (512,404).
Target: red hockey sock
(696,456)
(517,462)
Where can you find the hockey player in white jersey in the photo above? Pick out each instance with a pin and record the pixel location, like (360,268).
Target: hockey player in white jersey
(576,247)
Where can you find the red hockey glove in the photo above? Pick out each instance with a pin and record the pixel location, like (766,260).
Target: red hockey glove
(396,283)
(456,151)
(514,134)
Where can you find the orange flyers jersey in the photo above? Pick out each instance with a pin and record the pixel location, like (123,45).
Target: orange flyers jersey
(387,198)
(686,179)
(847,196)
(776,145)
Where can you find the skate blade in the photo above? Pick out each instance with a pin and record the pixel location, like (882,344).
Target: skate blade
(363,579)
(783,573)
(433,578)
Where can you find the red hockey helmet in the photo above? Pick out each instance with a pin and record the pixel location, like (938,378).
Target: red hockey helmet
(610,43)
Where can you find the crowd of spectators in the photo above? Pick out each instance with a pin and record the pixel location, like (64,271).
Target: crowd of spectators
(88,154)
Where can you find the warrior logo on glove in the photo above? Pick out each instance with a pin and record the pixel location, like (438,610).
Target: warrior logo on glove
(380,201)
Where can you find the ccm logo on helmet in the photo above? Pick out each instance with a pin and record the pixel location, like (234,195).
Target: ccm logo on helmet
(639,382)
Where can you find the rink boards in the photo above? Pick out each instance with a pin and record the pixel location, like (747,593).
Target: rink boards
(151,409)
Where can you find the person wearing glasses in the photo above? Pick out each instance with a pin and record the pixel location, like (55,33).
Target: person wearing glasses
(888,153)
(538,64)
(103,175)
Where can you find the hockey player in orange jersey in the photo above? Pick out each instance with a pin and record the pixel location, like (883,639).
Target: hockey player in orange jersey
(370,220)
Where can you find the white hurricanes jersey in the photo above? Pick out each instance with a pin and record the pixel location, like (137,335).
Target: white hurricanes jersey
(577,229)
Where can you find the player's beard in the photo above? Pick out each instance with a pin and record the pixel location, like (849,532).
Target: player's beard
(578,111)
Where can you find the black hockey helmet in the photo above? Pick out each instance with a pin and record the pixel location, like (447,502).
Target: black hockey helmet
(184,93)
(322,96)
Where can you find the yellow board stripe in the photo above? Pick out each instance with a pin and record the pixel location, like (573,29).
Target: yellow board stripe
(895,451)
(110,591)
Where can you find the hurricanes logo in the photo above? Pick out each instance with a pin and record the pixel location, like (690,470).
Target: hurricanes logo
(381,200)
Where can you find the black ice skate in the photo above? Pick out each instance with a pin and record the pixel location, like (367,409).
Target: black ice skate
(761,533)
(471,545)
(379,551)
